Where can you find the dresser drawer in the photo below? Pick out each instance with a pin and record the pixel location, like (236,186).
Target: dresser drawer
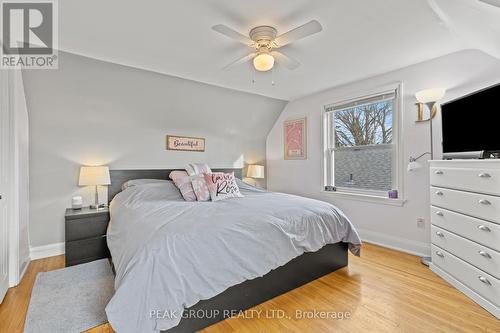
(475,254)
(478,205)
(480,231)
(476,180)
(479,281)
(86,227)
(85,250)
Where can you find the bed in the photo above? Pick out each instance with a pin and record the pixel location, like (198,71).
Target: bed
(182,266)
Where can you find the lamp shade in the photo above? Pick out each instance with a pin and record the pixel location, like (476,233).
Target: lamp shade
(414,165)
(94,175)
(255,171)
(430,95)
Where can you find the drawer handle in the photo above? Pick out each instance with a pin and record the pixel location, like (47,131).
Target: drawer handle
(439,214)
(440,254)
(439,233)
(484,175)
(484,202)
(485,254)
(484,280)
(438,172)
(484,228)
(439,193)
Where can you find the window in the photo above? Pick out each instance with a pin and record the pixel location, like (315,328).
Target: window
(361,144)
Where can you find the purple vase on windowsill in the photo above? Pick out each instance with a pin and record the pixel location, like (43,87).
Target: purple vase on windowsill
(393,194)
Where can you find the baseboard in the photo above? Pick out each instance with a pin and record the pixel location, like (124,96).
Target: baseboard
(400,244)
(44,251)
(24,266)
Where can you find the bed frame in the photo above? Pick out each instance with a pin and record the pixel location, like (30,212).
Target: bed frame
(299,271)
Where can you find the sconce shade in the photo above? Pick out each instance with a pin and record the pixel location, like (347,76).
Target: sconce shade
(94,175)
(430,95)
(414,165)
(255,171)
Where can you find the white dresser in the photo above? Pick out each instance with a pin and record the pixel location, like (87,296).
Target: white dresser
(465,227)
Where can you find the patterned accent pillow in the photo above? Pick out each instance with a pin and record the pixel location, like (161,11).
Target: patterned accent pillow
(183,183)
(222,186)
(197,169)
(200,188)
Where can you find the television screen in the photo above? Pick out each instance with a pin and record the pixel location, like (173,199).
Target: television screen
(472,123)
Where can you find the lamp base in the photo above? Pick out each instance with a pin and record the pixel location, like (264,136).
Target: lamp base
(426,260)
(97,207)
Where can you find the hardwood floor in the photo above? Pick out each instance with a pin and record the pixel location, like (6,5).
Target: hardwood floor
(383,291)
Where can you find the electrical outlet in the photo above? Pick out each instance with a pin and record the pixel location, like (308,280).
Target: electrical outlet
(420,222)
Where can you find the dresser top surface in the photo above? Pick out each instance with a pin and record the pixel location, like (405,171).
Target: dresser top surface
(471,163)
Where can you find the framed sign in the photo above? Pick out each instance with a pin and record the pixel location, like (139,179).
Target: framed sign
(295,136)
(185,143)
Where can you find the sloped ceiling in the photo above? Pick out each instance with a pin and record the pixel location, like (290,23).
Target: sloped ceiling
(360,38)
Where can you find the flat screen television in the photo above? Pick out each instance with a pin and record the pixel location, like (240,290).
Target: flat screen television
(472,123)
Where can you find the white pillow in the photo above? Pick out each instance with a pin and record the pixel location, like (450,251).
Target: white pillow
(135,182)
(197,169)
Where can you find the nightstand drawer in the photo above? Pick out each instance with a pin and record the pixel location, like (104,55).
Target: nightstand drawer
(85,250)
(89,227)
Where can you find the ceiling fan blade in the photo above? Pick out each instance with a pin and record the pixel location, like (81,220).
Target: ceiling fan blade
(240,61)
(285,60)
(305,30)
(228,32)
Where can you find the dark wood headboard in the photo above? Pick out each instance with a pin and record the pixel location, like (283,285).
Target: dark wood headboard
(118,177)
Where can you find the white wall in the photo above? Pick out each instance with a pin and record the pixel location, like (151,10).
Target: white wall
(394,226)
(94,112)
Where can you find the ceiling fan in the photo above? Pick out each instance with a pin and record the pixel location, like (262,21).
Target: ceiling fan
(265,41)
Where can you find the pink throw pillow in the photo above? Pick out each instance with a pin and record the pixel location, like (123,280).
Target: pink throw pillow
(183,183)
(222,186)
(200,188)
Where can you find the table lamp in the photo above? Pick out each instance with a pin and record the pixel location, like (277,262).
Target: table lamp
(94,176)
(255,171)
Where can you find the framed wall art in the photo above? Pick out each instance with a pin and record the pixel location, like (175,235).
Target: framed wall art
(295,139)
(185,143)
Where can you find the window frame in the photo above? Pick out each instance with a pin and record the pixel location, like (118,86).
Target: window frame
(397,161)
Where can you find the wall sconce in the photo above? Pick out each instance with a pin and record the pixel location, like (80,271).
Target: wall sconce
(428,97)
(413,164)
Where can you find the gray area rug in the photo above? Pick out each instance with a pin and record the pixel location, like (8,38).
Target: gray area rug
(71,299)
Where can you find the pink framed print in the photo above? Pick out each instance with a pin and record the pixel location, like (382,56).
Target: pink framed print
(295,139)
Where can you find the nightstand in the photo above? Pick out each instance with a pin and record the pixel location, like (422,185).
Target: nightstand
(86,235)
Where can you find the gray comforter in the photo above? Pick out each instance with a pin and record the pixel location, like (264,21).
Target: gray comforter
(169,253)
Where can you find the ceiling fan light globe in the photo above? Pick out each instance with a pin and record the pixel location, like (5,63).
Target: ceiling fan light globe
(263,62)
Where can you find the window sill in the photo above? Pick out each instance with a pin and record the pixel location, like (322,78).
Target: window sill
(367,198)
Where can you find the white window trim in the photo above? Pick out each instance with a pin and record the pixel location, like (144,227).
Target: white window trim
(398,174)
(366,198)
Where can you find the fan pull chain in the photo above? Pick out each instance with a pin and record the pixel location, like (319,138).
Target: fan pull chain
(272,77)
